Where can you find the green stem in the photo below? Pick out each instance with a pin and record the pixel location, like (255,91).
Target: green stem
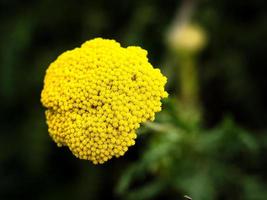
(188,76)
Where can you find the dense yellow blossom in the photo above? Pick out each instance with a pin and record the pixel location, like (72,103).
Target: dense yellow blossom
(97,95)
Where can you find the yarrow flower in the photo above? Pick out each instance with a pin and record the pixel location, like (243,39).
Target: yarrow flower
(187,37)
(97,95)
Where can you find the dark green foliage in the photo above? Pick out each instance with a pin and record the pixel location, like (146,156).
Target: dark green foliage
(205,164)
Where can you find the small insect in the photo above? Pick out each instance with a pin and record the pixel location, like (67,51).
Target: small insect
(187,197)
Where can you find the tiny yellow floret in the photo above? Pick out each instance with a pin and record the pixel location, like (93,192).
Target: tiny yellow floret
(97,95)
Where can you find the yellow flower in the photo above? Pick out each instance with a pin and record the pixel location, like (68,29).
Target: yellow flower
(187,37)
(97,95)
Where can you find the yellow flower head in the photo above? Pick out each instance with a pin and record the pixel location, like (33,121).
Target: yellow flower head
(187,37)
(97,95)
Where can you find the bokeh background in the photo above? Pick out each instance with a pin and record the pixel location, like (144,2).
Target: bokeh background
(209,142)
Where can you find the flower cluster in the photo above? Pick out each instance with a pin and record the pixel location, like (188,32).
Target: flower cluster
(97,95)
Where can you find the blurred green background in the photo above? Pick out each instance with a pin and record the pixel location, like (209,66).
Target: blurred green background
(209,142)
